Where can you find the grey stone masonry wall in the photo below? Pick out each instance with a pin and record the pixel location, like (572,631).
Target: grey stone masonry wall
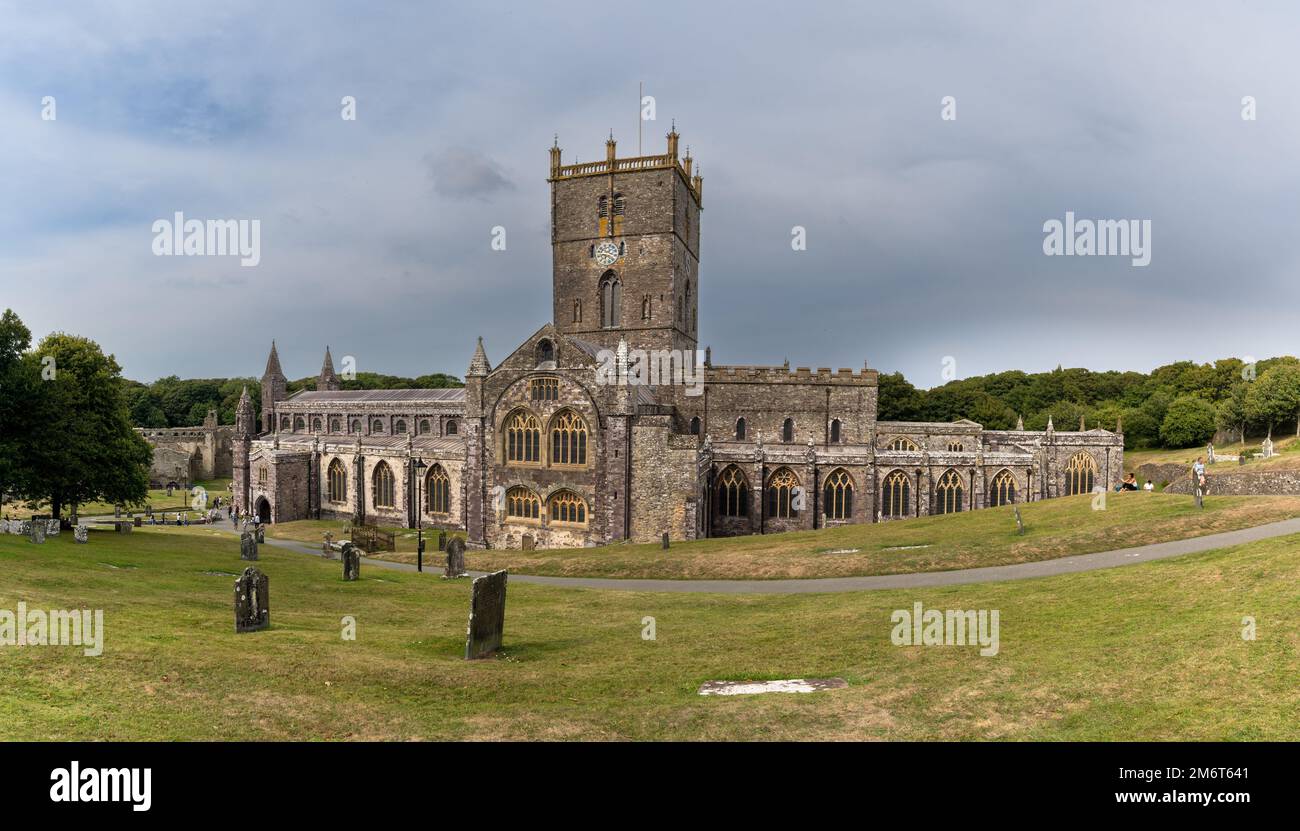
(659,240)
(1244,483)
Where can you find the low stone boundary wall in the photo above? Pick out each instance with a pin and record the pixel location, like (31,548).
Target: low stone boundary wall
(1162,473)
(1245,483)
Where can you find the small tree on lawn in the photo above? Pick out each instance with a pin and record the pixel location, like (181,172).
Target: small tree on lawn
(1233,414)
(81,446)
(1274,397)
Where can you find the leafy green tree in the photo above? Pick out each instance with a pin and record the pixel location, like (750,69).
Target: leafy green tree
(1233,412)
(1274,397)
(17,386)
(1189,421)
(81,446)
(898,399)
(1140,429)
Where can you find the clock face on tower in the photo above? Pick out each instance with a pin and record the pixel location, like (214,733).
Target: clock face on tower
(606,253)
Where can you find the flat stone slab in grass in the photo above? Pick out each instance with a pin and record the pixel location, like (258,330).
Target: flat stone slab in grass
(789,685)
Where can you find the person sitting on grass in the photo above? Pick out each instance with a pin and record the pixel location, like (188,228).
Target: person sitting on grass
(1130,483)
(1148,486)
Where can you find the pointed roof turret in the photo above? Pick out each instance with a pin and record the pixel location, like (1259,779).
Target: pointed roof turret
(273,364)
(1050,428)
(1020,422)
(478,365)
(327,380)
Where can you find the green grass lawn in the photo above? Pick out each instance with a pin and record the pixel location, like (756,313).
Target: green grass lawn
(180,500)
(1054,528)
(1145,652)
(1286,448)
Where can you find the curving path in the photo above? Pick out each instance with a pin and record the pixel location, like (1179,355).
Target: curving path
(989,574)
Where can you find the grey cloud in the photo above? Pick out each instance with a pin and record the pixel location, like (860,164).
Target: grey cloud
(459,172)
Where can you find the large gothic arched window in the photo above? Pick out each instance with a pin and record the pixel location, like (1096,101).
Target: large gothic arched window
(521,503)
(948,493)
(782,487)
(1080,473)
(437,486)
(568,508)
(1002,490)
(338,482)
(733,493)
(568,439)
(384,492)
(895,495)
(523,438)
(837,497)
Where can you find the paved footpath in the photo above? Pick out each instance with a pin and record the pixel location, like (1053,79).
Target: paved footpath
(1018,571)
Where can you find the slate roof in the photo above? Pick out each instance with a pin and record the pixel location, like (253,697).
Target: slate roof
(438,396)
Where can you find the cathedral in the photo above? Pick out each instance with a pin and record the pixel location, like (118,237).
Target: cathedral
(542,450)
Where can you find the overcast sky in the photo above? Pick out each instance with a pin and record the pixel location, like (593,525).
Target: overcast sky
(924,236)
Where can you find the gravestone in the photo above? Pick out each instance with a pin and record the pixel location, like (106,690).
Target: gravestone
(247,546)
(1209,453)
(1267,448)
(138,522)
(665,542)
(455,558)
(527,543)
(81,534)
(261,535)
(328,550)
(1241,460)
(442,540)
(37,533)
(1020,525)
(52,528)
(252,606)
(351,562)
(123,527)
(487,616)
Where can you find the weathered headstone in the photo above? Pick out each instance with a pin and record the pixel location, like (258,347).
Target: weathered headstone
(665,542)
(81,534)
(455,558)
(138,522)
(1209,452)
(37,532)
(327,551)
(527,543)
(247,546)
(1020,524)
(487,616)
(52,528)
(351,562)
(261,534)
(442,540)
(252,605)
(123,527)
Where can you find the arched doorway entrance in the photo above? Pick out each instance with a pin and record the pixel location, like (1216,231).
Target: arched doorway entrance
(263,510)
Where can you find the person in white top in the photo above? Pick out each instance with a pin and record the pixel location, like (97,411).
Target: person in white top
(1148,486)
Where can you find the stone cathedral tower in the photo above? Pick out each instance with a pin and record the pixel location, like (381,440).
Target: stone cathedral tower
(625,242)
